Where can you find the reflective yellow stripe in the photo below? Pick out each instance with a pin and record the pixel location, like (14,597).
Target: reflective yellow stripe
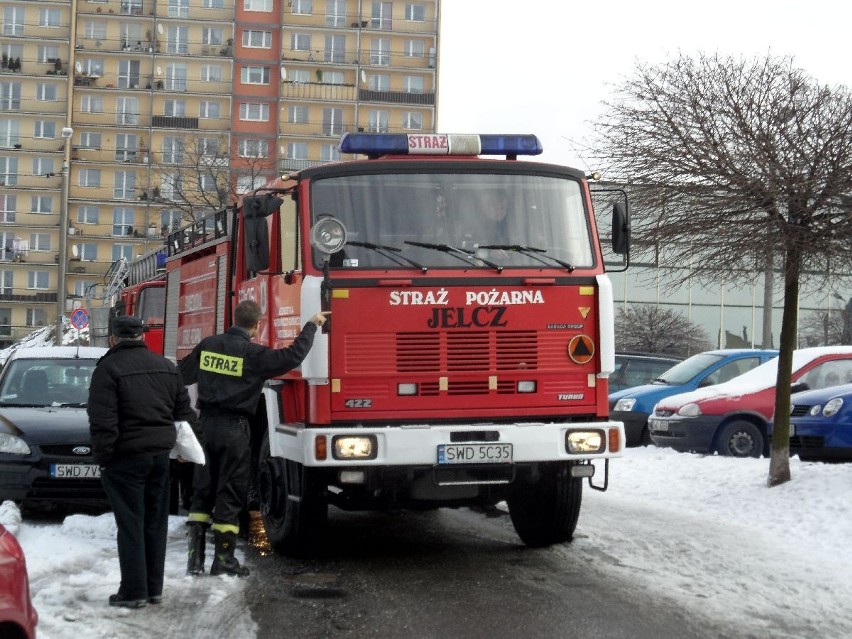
(225,528)
(221,364)
(204,518)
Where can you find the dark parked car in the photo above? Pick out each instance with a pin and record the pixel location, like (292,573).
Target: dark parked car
(633,405)
(732,418)
(635,369)
(18,617)
(821,424)
(45,454)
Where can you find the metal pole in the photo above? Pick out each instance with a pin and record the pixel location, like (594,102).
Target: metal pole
(62,286)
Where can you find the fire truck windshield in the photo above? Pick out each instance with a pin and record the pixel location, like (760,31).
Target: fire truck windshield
(506,220)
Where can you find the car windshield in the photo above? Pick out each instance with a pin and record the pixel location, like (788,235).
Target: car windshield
(46,382)
(456,220)
(687,369)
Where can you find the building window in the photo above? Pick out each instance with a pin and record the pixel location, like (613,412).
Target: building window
(92,104)
(172,150)
(87,215)
(10,133)
(88,252)
(7,279)
(170,220)
(380,51)
(6,316)
(10,96)
(128,74)
(255,75)
(382,15)
(40,242)
(209,110)
(90,178)
(414,48)
(38,279)
(207,183)
(378,121)
(175,108)
(122,250)
(82,287)
(125,185)
(211,73)
(212,36)
(122,221)
(332,77)
(125,147)
(37,316)
(335,48)
(47,53)
(257,39)
(208,147)
(297,114)
(213,4)
(302,7)
(13,21)
(45,92)
(89,140)
(176,76)
(335,13)
(43,167)
(95,30)
(379,82)
(297,151)
(8,171)
(178,8)
(8,207)
(415,12)
(332,121)
(127,110)
(93,67)
(257,5)
(329,153)
(300,76)
(253,112)
(253,149)
(300,42)
(41,204)
(246,183)
(44,129)
(413,84)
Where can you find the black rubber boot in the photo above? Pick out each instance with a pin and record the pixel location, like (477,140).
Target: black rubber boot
(224,562)
(196,534)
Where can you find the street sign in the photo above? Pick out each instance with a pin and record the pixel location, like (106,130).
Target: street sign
(80,318)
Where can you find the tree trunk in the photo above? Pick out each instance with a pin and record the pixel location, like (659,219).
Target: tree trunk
(779,459)
(768,284)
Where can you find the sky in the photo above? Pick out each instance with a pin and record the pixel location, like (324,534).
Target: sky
(702,532)
(546,71)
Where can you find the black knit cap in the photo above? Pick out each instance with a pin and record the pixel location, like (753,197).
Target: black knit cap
(126,326)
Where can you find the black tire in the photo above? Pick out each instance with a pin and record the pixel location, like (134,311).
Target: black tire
(545,512)
(740,439)
(293,503)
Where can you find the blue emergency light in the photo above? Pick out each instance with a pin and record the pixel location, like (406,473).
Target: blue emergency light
(376,144)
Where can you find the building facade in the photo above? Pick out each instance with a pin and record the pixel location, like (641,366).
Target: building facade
(127,118)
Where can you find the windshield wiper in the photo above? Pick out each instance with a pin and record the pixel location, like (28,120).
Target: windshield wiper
(531,251)
(382,250)
(659,380)
(452,250)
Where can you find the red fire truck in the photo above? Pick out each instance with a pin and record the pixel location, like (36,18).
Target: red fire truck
(471,332)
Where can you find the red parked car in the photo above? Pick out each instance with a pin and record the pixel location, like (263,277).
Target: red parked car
(18,618)
(732,418)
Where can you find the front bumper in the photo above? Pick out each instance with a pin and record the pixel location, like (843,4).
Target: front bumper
(821,441)
(417,444)
(634,424)
(685,434)
(30,480)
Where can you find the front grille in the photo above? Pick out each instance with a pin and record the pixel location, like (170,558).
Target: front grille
(807,441)
(64,450)
(799,410)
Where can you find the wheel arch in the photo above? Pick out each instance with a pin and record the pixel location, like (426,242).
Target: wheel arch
(759,421)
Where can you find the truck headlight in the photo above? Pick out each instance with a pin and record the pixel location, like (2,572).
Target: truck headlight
(585,441)
(354,446)
(13,445)
(625,404)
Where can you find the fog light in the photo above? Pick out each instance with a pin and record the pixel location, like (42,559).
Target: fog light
(585,441)
(351,476)
(526,386)
(406,389)
(354,447)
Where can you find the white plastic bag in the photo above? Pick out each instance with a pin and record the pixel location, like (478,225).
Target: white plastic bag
(186,444)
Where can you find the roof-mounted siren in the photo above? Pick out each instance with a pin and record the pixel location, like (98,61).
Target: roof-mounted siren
(377,144)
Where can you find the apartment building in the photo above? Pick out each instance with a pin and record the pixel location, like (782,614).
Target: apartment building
(127,118)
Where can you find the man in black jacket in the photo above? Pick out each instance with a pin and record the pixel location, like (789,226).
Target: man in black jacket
(230,371)
(135,398)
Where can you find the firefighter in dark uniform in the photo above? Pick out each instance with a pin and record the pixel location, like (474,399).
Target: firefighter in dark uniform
(230,371)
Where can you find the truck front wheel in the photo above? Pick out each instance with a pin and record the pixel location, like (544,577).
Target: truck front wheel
(293,503)
(545,512)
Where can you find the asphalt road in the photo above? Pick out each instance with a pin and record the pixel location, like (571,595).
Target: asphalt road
(448,573)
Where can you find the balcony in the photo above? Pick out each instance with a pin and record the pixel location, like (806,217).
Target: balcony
(396,97)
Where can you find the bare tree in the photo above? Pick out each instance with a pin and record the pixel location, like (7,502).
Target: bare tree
(733,163)
(654,329)
(199,177)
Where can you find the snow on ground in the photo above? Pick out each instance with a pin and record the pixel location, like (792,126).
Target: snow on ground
(703,532)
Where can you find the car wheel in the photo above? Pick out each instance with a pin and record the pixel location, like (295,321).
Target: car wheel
(740,439)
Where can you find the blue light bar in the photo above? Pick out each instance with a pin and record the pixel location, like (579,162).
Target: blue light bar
(376,144)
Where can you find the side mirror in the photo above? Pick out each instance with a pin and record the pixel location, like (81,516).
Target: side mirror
(620,229)
(256,244)
(797,387)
